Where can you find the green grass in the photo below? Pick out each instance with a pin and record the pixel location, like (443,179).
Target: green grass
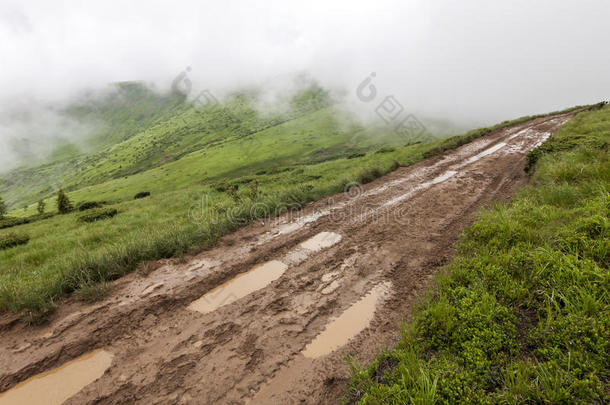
(207,189)
(522,315)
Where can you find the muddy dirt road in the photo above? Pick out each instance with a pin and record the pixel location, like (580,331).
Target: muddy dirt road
(267,316)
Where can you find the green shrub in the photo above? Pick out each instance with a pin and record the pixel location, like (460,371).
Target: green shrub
(9,222)
(141,194)
(220,187)
(87,205)
(3,208)
(40,207)
(253,191)
(386,149)
(98,214)
(356,155)
(12,239)
(369,174)
(64,205)
(232,191)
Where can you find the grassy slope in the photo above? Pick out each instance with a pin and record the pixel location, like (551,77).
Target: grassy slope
(130,108)
(296,161)
(195,145)
(65,254)
(523,313)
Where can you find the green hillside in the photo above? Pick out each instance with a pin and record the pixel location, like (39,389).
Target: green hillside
(182,144)
(203,172)
(231,155)
(125,110)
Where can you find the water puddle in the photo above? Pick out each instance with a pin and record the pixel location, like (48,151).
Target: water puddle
(321,241)
(253,280)
(439,179)
(301,222)
(57,385)
(351,322)
(447,174)
(523,131)
(314,244)
(481,155)
(543,138)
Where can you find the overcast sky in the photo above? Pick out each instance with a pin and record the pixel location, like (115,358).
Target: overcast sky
(471,60)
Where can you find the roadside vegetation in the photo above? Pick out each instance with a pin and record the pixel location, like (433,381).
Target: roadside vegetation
(522,315)
(234,169)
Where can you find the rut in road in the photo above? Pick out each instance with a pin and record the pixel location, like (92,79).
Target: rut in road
(269,313)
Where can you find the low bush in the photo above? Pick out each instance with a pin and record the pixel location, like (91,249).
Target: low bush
(220,187)
(356,155)
(9,222)
(369,174)
(64,205)
(141,194)
(98,214)
(87,205)
(12,239)
(387,149)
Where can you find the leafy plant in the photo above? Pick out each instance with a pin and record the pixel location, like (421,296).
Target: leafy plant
(253,192)
(232,191)
(141,194)
(98,214)
(87,205)
(3,208)
(40,207)
(64,205)
(12,239)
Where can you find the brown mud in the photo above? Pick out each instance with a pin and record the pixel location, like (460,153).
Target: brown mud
(257,345)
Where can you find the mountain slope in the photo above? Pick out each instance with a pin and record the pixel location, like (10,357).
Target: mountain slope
(203,143)
(116,115)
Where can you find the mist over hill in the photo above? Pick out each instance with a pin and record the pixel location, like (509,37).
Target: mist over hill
(438,59)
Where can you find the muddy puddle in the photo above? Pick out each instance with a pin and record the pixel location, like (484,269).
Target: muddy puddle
(420,187)
(321,241)
(351,322)
(57,385)
(481,155)
(253,280)
(300,222)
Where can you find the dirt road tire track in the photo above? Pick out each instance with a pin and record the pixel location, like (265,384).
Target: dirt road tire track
(250,349)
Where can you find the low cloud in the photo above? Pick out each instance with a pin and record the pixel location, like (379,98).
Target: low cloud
(473,62)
